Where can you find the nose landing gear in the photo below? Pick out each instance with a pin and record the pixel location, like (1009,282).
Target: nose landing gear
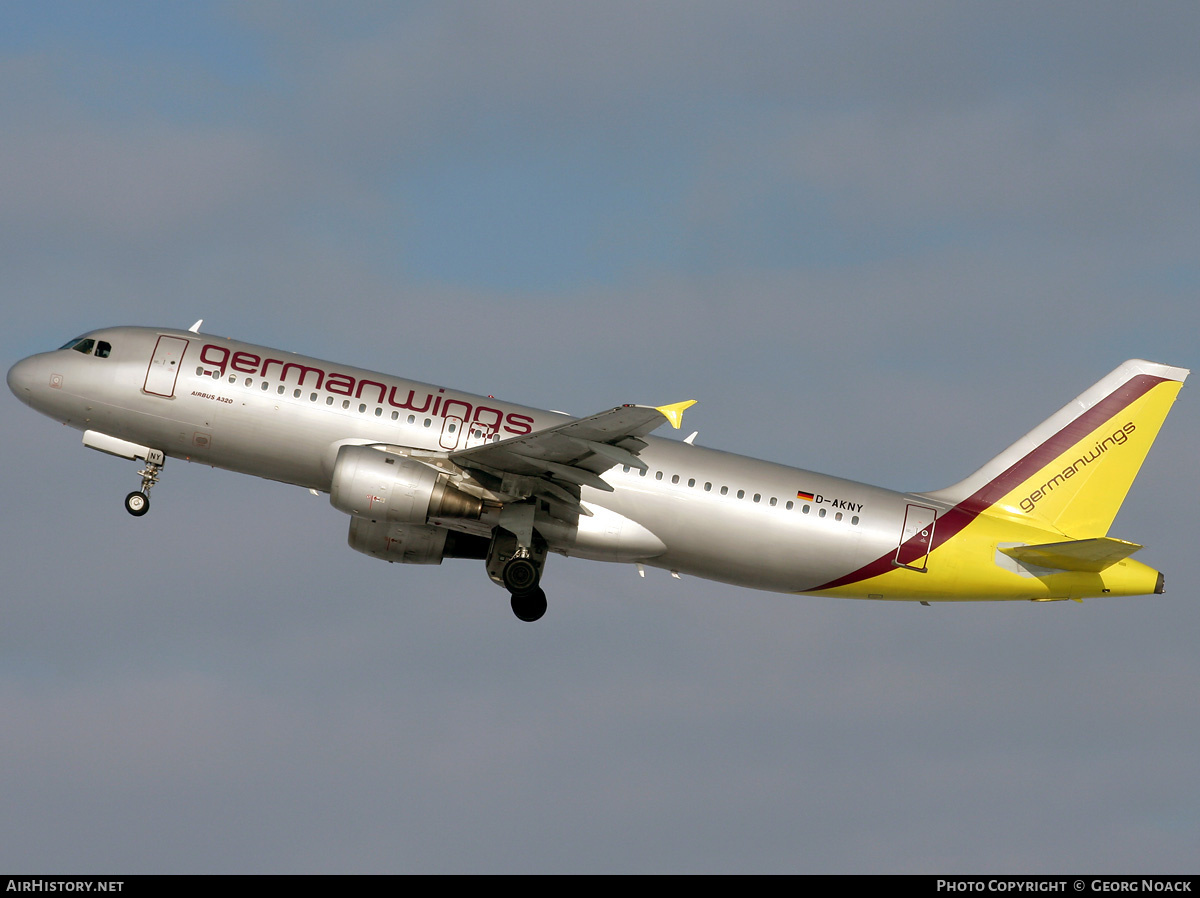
(138,503)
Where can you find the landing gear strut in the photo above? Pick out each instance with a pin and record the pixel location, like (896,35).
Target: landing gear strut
(518,569)
(138,503)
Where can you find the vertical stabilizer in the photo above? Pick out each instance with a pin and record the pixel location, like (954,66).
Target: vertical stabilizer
(1072,472)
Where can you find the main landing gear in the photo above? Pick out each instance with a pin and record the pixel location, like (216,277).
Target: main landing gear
(521,575)
(518,569)
(138,503)
(529,606)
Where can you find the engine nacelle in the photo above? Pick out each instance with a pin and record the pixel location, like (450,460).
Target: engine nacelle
(412,543)
(392,488)
(406,543)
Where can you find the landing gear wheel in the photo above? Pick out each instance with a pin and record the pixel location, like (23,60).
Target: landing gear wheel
(529,606)
(521,577)
(137,504)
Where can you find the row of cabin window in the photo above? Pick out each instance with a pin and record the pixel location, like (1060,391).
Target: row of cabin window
(452,427)
(741,494)
(329,400)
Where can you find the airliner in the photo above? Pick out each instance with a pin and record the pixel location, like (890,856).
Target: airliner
(427,473)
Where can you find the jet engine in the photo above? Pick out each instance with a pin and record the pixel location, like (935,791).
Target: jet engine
(395,489)
(412,543)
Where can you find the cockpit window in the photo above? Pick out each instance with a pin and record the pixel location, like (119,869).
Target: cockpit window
(87,344)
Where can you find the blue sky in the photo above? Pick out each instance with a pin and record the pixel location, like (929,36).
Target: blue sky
(879,240)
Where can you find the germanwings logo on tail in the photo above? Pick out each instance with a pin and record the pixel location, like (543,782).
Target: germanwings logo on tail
(1118,438)
(1071,473)
(1067,477)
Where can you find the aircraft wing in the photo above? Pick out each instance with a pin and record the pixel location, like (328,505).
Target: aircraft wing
(556,461)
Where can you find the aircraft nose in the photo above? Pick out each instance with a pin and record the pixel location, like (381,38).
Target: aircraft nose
(20,379)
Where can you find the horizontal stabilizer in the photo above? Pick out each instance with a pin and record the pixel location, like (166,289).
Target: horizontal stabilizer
(1089,555)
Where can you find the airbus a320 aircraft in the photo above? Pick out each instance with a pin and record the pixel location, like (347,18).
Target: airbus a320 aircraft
(427,473)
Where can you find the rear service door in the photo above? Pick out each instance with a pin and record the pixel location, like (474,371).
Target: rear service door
(916,538)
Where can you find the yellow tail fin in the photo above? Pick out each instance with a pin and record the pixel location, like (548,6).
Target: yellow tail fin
(1073,471)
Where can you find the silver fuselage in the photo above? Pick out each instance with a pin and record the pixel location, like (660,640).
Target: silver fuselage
(284,416)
